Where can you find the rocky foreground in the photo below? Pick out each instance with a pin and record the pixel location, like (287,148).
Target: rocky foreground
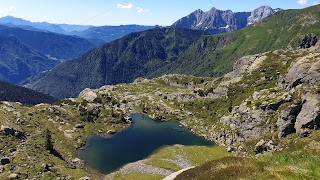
(264,102)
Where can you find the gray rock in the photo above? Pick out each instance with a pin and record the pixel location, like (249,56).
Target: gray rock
(88,94)
(5,160)
(111,132)
(13,176)
(79,126)
(85,178)
(287,119)
(7,130)
(302,71)
(309,117)
(229,149)
(260,147)
(69,178)
(264,146)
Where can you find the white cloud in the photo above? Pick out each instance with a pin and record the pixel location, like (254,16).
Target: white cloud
(141,10)
(302,2)
(315,3)
(11,8)
(7,11)
(122,6)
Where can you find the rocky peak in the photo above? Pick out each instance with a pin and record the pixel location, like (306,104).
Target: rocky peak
(261,13)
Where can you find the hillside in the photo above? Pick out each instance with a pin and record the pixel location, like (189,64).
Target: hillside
(18,62)
(57,46)
(265,112)
(13,93)
(214,55)
(120,61)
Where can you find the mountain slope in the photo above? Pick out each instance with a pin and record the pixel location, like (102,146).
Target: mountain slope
(18,62)
(120,61)
(58,46)
(13,93)
(216,21)
(214,55)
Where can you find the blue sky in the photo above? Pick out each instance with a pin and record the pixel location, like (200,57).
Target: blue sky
(117,12)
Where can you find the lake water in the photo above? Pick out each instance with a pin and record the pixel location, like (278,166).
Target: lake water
(137,142)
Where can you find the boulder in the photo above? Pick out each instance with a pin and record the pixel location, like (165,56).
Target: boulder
(111,132)
(303,71)
(13,176)
(5,160)
(7,130)
(287,119)
(309,116)
(229,149)
(264,146)
(79,126)
(88,94)
(85,178)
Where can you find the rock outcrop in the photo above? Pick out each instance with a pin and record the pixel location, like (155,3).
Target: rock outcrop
(287,119)
(309,116)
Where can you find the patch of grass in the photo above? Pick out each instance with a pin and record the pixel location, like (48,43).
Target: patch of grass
(228,168)
(199,154)
(140,176)
(194,155)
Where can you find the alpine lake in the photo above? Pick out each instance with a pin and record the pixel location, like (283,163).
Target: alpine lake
(143,137)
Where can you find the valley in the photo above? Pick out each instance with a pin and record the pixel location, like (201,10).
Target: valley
(253,92)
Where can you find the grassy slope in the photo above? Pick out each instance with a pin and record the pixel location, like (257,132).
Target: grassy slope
(300,160)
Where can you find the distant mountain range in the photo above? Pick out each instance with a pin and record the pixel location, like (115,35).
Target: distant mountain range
(217,21)
(163,51)
(41,26)
(95,34)
(106,34)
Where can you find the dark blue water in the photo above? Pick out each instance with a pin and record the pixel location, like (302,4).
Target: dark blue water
(137,142)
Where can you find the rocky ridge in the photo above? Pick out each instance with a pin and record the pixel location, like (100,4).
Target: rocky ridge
(217,21)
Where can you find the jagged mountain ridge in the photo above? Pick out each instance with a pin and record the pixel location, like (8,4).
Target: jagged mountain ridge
(217,21)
